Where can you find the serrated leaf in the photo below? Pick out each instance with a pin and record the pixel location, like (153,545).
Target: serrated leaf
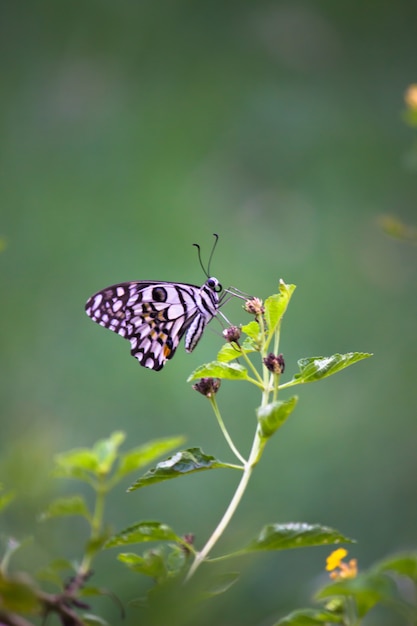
(176,558)
(294,535)
(228,352)
(151,564)
(404,564)
(310,617)
(106,451)
(76,463)
(70,505)
(142,531)
(276,305)
(366,589)
(273,415)
(180,464)
(316,368)
(143,455)
(81,463)
(218,369)
(252,331)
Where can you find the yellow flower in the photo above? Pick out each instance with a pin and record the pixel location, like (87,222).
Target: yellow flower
(335,558)
(410,97)
(338,569)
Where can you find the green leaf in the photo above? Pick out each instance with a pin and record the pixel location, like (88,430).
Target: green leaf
(81,463)
(71,505)
(394,227)
(151,564)
(404,564)
(143,531)
(76,463)
(6,498)
(228,352)
(252,331)
(310,617)
(106,451)
(52,573)
(221,583)
(217,369)
(180,464)
(294,535)
(176,558)
(276,305)
(274,415)
(18,593)
(367,590)
(316,368)
(143,455)
(97,542)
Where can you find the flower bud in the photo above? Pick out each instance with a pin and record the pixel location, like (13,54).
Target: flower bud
(254,306)
(275,363)
(189,541)
(232,334)
(207,386)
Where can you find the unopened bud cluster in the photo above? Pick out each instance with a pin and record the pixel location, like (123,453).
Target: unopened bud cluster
(232,334)
(275,363)
(208,386)
(254,306)
(189,541)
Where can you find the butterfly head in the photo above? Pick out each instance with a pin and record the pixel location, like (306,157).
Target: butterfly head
(213,284)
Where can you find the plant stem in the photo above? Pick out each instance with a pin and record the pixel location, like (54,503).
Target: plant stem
(201,556)
(224,430)
(96,523)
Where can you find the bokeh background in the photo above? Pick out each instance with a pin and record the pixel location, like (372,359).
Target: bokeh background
(132,129)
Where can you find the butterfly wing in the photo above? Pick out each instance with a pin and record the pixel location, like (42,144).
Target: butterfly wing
(153,316)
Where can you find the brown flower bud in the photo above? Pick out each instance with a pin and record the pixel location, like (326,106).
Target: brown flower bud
(189,541)
(254,306)
(274,363)
(208,386)
(231,334)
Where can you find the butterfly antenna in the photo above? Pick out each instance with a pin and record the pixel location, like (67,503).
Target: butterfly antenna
(207,272)
(211,253)
(199,258)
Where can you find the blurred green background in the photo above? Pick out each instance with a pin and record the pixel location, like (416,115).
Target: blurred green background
(131,130)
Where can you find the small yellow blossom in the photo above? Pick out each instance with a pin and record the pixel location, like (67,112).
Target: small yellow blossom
(338,569)
(410,96)
(334,559)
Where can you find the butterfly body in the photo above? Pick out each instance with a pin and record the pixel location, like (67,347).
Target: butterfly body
(154,316)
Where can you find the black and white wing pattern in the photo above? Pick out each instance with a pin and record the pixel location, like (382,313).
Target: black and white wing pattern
(154,316)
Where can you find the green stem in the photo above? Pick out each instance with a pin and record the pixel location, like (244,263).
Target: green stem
(254,456)
(351,614)
(96,524)
(225,431)
(252,367)
(290,383)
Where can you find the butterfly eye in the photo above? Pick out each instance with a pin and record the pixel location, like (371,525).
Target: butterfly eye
(214,284)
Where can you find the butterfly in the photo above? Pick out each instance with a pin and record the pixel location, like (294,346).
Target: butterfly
(154,316)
